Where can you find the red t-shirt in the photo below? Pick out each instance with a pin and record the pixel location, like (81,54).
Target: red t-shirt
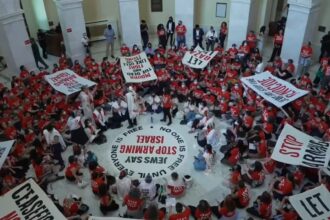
(203,215)
(278,39)
(132,203)
(285,186)
(181,216)
(306,51)
(161,215)
(235,177)
(265,210)
(181,30)
(167,101)
(225,212)
(234,156)
(243,196)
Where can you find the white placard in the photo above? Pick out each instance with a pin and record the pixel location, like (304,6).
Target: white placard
(137,69)
(198,58)
(273,89)
(4,150)
(297,148)
(312,204)
(28,201)
(140,151)
(67,82)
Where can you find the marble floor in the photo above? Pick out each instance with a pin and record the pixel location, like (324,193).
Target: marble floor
(212,187)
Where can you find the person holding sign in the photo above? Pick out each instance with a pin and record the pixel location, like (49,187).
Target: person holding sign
(181,31)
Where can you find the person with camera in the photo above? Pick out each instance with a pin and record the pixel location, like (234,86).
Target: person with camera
(211,39)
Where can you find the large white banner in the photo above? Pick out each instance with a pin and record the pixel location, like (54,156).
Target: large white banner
(198,58)
(297,148)
(28,201)
(137,69)
(273,89)
(67,82)
(312,204)
(156,151)
(4,150)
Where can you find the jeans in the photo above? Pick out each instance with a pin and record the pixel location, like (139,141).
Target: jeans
(180,40)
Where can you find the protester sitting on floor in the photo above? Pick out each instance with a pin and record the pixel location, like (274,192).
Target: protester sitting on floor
(134,204)
(74,208)
(202,211)
(107,203)
(199,162)
(262,207)
(181,212)
(226,210)
(72,172)
(175,186)
(241,195)
(254,177)
(283,187)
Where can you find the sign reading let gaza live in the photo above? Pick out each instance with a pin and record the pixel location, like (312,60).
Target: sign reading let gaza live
(140,151)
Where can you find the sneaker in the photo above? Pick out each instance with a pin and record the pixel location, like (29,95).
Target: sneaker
(168,124)
(131,126)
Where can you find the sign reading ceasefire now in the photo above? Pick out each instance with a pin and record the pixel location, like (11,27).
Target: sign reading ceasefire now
(141,151)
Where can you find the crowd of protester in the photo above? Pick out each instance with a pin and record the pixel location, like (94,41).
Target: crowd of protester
(45,123)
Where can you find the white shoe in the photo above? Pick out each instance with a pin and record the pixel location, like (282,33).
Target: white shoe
(82,184)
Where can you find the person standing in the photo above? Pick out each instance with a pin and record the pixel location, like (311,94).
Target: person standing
(198,34)
(211,37)
(278,42)
(110,37)
(36,54)
(223,33)
(325,45)
(161,35)
(144,33)
(181,31)
(167,105)
(170,27)
(86,99)
(86,43)
(132,107)
(306,53)
(42,42)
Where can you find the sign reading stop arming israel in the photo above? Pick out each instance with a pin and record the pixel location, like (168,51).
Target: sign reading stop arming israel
(140,151)
(273,89)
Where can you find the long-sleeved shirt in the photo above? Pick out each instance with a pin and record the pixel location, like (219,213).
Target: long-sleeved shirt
(109,35)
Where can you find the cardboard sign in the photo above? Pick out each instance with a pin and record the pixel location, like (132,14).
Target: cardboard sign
(28,201)
(4,150)
(140,151)
(198,58)
(312,204)
(67,82)
(137,69)
(297,148)
(273,89)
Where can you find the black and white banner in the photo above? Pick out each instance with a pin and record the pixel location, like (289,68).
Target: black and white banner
(140,151)
(67,82)
(198,58)
(28,201)
(4,150)
(312,204)
(137,69)
(297,148)
(273,89)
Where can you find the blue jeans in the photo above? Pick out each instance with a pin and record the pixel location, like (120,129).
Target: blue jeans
(180,40)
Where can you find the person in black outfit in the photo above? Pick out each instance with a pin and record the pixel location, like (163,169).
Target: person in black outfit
(198,34)
(36,54)
(170,28)
(42,42)
(144,33)
(325,45)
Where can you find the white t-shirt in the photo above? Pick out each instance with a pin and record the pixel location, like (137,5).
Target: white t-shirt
(123,186)
(148,190)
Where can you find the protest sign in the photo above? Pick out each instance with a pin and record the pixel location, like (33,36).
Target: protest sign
(140,151)
(198,58)
(67,82)
(28,201)
(273,89)
(312,204)
(4,150)
(137,69)
(297,148)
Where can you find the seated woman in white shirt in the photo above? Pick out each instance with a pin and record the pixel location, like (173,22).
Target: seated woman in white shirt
(175,186)
(153,103)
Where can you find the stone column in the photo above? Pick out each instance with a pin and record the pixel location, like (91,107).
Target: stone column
(15,43)
(72,20)
(184,11)
(130,22)
(238,21)
(300,26)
